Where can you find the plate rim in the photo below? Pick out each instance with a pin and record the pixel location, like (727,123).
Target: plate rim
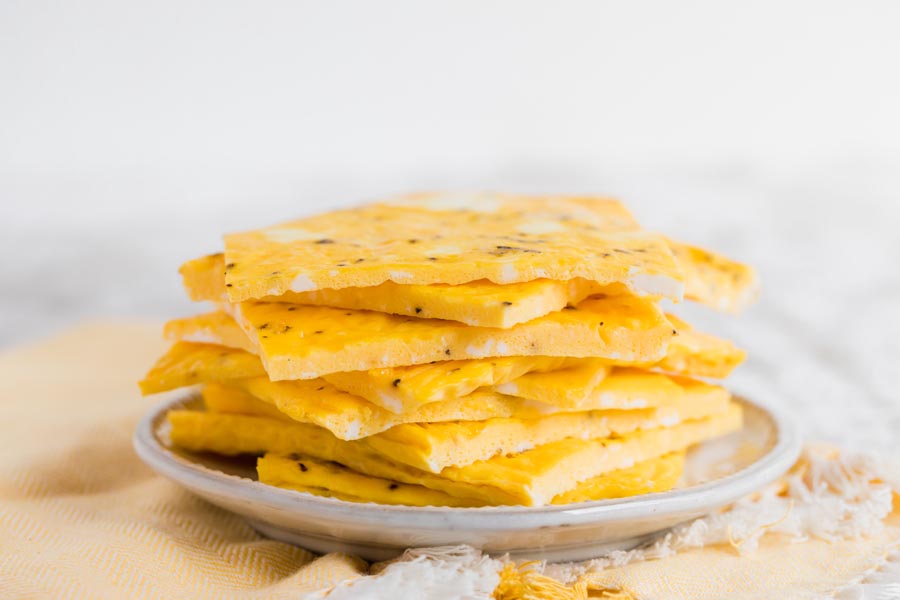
(763,471)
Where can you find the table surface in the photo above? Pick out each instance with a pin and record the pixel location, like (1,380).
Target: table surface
(83,518)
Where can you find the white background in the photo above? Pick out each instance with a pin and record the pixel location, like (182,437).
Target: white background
(133,134)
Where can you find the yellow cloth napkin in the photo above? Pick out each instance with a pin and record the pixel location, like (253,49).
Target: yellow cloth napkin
(81,517)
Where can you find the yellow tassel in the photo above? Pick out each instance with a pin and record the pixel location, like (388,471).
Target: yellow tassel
(521,582)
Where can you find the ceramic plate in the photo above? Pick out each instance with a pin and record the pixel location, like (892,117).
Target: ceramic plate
(717,473)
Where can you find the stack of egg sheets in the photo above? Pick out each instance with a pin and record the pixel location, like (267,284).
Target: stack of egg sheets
(456,351)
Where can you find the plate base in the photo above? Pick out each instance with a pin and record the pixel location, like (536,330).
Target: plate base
(375,553)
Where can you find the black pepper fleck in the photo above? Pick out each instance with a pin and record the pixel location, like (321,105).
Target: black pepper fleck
(395,382)
(507,303)
(228,285)
(319,331)
(303,467)
(325,241)
(393,486)
(447,351)
(418,309)
(509,248)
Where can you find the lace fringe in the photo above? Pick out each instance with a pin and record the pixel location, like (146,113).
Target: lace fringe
(826,495)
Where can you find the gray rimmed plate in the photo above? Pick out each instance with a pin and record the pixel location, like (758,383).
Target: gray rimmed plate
(717,473)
